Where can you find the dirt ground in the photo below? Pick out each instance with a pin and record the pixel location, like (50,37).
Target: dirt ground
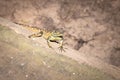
(91,29)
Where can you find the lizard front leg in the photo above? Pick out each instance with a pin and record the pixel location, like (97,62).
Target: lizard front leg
(61,46)
(48,42)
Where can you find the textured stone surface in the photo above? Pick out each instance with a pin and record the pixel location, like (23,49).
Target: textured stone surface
(90,27)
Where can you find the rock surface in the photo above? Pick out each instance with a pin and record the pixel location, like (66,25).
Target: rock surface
(92,28)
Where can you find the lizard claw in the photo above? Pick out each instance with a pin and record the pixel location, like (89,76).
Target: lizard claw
(61,48)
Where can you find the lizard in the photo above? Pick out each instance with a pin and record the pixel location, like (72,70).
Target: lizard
(50,36)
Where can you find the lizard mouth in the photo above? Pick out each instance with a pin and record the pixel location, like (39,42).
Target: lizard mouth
(61,37)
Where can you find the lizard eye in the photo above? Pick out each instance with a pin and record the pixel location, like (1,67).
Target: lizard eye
(41,32)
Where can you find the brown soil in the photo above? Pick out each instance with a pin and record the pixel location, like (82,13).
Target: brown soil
(91,28)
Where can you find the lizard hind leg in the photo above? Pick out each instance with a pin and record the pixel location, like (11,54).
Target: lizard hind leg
(36,35)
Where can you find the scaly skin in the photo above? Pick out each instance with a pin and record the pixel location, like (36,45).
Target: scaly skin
(49,36)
